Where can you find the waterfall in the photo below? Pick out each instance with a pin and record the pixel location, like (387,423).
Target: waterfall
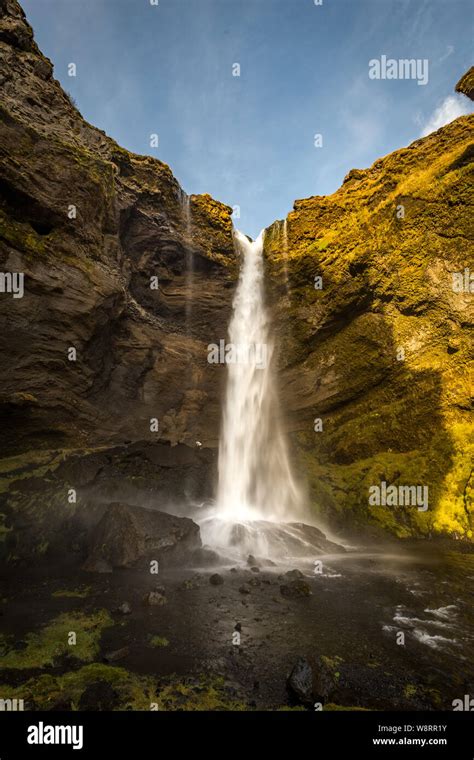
(255,477)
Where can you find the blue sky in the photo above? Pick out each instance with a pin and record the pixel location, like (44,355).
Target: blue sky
(249,140)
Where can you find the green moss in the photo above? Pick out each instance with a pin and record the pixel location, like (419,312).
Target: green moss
(79,593)
(332,662)
(22,236)
(198,694)
(333,707)
(159,641)
(134,692)
(51,643)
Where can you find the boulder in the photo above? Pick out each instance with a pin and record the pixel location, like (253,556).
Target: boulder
(155,599)
(300,681)
(127,533)
(295,589)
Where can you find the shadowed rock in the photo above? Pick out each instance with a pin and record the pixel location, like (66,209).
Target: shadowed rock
(126,533)
(300,681)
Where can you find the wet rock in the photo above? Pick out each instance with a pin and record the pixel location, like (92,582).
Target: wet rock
(326,677)
(126,534)
(125,608)
(300,681)
(194,582)
(253,561)
(293,574)
(155,599)
(238,627)
(295,589)
(244,588)
(62,704)
(117,654)
(98,565)
(255,569)
(99,696)
(205,557)
(216,580)
(255,582)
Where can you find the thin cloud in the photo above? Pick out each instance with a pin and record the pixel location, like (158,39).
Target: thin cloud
(451,108)
(449,51)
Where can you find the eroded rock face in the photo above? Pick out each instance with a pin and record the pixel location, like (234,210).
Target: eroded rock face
(126,534)
(89,224)
(466,84)
(377,354)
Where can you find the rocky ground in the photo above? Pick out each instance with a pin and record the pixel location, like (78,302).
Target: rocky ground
(257,635)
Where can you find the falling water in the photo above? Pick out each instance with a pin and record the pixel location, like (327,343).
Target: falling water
(256,482)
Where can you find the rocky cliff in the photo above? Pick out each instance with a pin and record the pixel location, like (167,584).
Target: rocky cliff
(374,301)
(127,280)
(120,266)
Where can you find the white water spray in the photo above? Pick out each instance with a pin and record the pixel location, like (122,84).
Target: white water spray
(255,478)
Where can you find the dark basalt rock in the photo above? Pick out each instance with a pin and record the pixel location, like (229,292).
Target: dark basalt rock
(300,681)
(99,696)
(293,575)
(295,589)
(206,557)
(126,534)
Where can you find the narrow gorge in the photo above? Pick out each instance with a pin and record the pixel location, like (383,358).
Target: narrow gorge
(158,498)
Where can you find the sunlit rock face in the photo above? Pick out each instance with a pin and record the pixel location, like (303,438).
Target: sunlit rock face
(371,288)
(466,84)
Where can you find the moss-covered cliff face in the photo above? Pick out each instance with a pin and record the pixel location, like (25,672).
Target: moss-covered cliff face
(380,353)
(380,349)
(92,226)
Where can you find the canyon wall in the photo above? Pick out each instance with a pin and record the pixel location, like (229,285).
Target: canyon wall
(380,348)
(92,226)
